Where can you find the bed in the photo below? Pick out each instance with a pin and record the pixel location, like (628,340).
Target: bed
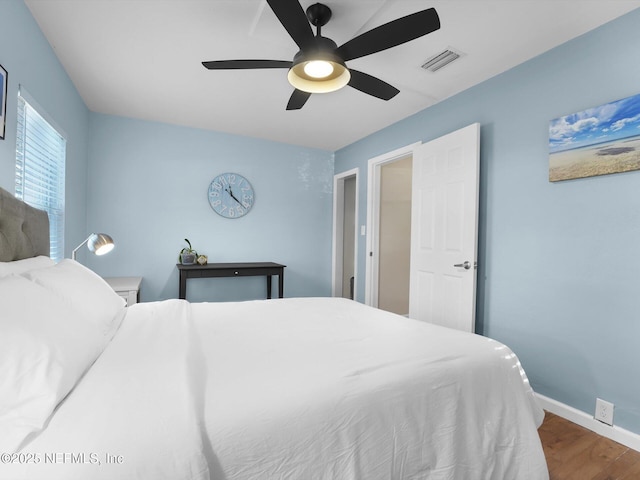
(294,388)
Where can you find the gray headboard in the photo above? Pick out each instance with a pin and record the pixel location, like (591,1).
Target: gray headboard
(24,230)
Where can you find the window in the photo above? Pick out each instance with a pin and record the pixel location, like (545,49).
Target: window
(40,170)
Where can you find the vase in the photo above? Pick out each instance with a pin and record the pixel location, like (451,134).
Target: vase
(187,258)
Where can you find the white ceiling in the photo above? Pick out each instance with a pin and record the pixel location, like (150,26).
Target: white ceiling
(142,58)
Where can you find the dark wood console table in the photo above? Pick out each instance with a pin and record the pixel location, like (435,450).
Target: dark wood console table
(232,270)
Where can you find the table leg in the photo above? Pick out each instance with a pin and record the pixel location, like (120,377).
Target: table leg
(281,283)
(268,287)
(182,294)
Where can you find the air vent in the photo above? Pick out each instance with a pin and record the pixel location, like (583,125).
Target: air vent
(440,60)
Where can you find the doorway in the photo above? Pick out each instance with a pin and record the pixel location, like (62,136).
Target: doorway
(345,221)
(443,229)
(388,230)
(394,235)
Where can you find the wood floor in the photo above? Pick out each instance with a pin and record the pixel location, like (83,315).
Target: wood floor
(575,453)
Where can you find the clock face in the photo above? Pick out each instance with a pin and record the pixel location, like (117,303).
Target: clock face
(231,195)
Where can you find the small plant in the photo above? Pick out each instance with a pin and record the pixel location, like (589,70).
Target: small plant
(187,255)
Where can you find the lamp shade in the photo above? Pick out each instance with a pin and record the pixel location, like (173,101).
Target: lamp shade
(319,70)
(98,243)
(299,77)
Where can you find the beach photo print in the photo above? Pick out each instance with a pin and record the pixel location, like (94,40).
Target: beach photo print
(596,141)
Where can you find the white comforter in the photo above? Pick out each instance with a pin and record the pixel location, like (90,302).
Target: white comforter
(294,389)
(132,416)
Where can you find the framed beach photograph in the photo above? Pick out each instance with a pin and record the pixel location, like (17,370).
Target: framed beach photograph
(596,141)
(3,101)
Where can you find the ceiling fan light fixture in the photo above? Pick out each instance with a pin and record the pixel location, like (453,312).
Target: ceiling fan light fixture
(319,71)
(299,77)
(319,66)
(303,76)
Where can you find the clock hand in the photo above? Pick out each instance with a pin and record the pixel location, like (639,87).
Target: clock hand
(233,196)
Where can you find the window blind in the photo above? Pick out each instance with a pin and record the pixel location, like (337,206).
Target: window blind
(40,170)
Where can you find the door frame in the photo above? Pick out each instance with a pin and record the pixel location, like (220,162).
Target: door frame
(338,232)
(373,217)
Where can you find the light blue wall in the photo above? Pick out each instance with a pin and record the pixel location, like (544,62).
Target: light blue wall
(30,62)
(559,264)
(148,187)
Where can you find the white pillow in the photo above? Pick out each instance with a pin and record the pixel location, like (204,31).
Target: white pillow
(45,347)
(84,291)
(21,266)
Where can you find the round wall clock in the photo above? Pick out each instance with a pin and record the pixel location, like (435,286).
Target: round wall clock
(231,195)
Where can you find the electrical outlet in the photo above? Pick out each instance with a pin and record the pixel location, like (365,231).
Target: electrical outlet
(604,411)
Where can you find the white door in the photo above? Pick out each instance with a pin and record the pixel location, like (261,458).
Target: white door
(444,229)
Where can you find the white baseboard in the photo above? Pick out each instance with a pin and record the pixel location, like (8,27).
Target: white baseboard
(617,434)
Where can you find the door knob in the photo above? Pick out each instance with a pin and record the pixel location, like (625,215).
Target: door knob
(466,265)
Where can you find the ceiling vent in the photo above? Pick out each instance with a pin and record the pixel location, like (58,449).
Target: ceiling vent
(441,59)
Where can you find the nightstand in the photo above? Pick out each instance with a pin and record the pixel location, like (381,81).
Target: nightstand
(127,287)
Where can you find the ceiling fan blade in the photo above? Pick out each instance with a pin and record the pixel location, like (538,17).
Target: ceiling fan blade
(391,34)
(294,20)
(298,99)
(372,85)
(242,64)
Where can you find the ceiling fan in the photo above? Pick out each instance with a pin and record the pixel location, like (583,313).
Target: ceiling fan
(319,66)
